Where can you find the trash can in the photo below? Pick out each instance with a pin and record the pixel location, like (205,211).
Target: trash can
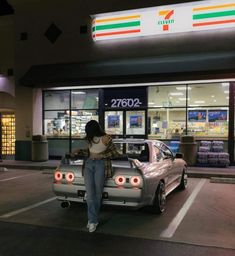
(188,147)
(39,148)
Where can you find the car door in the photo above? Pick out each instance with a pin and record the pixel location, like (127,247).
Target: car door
(175,172)
(163,163)
(168,159)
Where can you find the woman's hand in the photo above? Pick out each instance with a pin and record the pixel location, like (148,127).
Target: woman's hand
(106,139)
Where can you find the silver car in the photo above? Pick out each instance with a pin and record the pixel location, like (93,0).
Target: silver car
(144,175)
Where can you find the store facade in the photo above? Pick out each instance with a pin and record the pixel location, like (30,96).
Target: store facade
(153,112)
(139,82)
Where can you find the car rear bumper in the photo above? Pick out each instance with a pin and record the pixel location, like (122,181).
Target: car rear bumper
(131,197)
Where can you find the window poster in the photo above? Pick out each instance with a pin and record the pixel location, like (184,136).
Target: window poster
(136,121)
(113,121)
(197,115)
(217,115)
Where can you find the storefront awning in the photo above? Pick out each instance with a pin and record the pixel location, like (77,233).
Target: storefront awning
(158,69)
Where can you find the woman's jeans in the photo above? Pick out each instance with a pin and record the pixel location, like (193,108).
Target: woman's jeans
(94,182)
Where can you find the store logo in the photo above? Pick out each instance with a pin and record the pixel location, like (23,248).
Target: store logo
(167,19)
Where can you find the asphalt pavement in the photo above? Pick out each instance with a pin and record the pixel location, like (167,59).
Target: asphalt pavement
(28,240)
(199,221)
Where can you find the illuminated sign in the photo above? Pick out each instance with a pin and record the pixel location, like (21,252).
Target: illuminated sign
(161,20)
(125,98)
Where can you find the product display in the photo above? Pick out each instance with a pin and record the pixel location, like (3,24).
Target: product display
(8,134)
(211,154)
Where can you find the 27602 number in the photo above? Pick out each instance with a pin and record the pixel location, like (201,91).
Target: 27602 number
(125,103)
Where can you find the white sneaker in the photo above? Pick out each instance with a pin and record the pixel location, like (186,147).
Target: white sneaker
(88,224)
(92,227)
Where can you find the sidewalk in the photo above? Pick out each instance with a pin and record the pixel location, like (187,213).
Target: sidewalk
(196,172)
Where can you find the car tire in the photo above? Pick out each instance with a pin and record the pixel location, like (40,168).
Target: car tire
(184,180)
(159,204)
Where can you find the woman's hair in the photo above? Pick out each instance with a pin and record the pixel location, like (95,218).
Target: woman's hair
(92,130)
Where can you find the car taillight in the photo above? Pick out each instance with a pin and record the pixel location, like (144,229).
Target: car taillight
(135,181)
(120,180)
(69,177)
(58,176)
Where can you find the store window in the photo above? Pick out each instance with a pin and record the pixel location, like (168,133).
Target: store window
(197,109)
(167,123)
(84,99)
(167,111)
(167,96)
(55,100)
(67,112)
(79,120)
(56,123)
(208,110)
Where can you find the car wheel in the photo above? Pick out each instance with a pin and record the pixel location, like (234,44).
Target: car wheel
(184,180)
(159,204)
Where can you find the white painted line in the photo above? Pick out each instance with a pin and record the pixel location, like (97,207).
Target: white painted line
(169,232)
(13,213)
(17,177)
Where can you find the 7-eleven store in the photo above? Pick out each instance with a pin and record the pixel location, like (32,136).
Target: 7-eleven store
(185,84)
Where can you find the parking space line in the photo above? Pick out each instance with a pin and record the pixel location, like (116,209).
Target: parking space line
(169,232)
(17,177)
(13,213)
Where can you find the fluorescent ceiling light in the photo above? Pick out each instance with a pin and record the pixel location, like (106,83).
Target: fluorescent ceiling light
(226,91)
(183,99)
(225,84)
(176,94)
(183,88)
(199,101)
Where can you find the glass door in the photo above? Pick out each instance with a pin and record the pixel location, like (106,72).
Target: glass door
(114,123)
(126,124)
(135,123)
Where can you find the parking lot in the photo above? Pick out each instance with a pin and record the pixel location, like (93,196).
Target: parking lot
(201,215)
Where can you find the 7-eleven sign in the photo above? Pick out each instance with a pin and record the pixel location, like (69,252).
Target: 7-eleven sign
(167,19)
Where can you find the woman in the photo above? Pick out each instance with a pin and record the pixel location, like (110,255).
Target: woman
(97,167)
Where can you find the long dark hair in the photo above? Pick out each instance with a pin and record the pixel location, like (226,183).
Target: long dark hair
(93,129)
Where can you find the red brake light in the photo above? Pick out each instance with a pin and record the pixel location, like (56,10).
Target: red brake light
(135,181)
(58,175)
(120,180)
(69,176)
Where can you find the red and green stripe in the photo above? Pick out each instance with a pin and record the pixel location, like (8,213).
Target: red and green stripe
(114,26)
(214,15)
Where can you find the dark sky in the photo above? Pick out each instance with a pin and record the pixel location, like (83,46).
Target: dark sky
(5,8)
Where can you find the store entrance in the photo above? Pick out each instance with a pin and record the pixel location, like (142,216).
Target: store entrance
(126,123)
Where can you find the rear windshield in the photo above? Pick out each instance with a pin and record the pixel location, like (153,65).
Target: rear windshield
(138,151)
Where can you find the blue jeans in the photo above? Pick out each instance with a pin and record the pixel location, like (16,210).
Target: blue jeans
(94,182)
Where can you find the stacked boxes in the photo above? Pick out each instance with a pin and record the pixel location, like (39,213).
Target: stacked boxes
(211,154)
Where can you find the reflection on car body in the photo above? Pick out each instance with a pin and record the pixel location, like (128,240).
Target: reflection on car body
(145,174)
